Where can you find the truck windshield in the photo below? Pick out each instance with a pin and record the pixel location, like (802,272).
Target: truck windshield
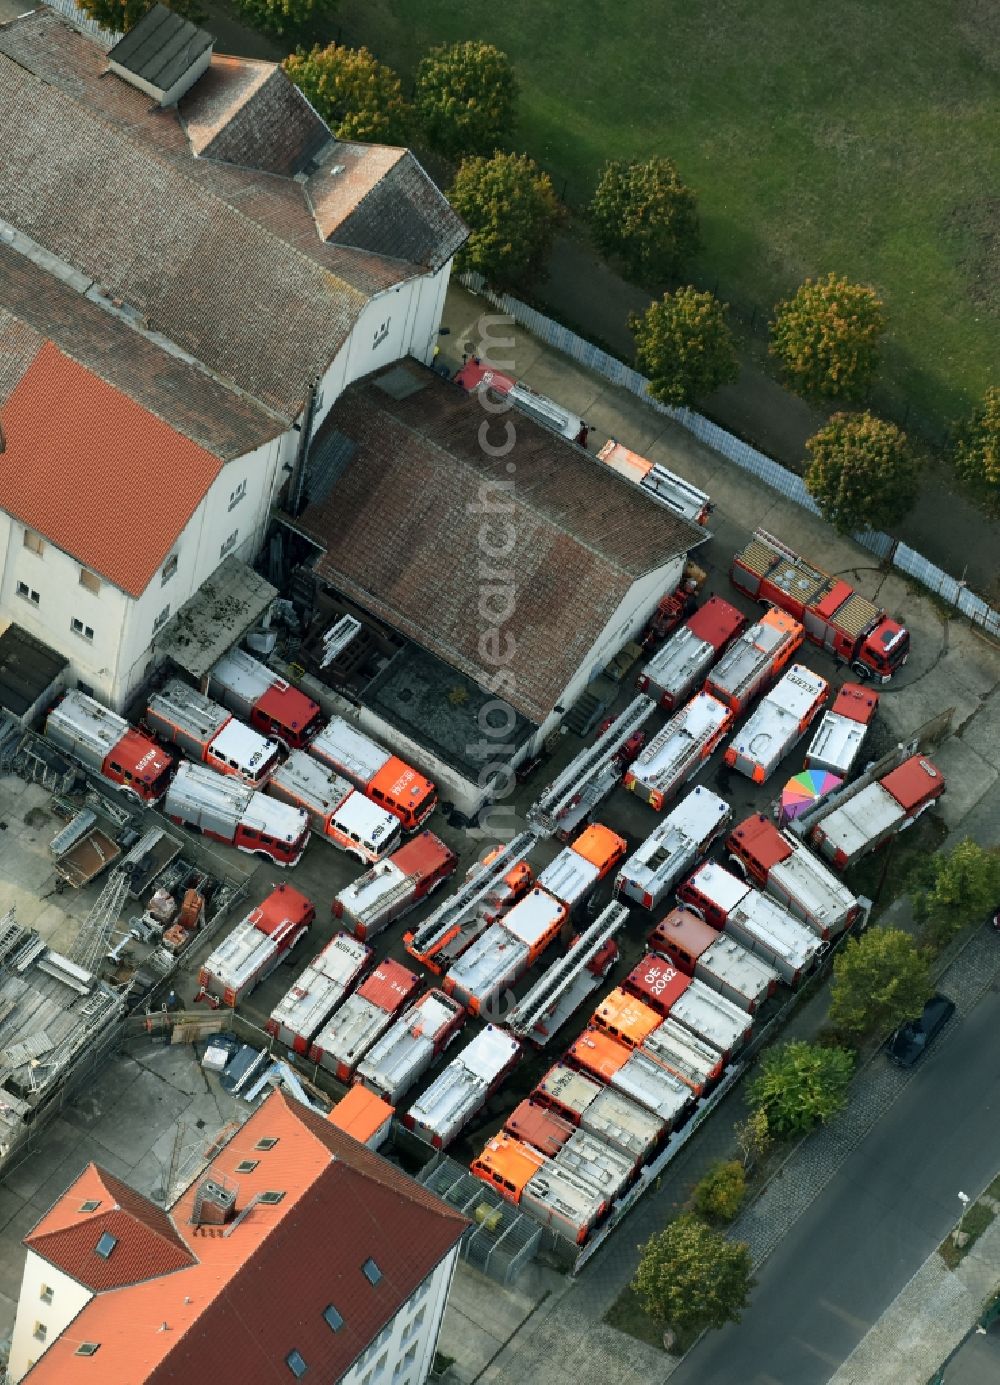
(895,647)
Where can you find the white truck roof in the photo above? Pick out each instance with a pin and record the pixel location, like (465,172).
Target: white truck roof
(711,1016)
(680,662)
(533,916)
(673,749)
(276,819)
(321,986)
(776,723)
(814,893)
(458,1092)
(569,877)
(727,966)
(570,1089)
(493,960)
(836,743)
(359,817)
(318,785)
(351,1031)
(343,744)
(197,792)
(240,955)
(724,889)
(749,653)
(557,1198)
(244,675)
(405,1051)
(683,1053)
(242,746)
(189,709)
(377,890)
(673,846)
(769,925)
(593,1161)
(869,814)
(652,1087)
(620,1122)
(80,719)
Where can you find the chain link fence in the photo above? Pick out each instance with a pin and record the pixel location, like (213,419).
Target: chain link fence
(742,454)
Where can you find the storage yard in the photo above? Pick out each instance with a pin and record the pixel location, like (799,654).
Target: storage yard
(551,1003)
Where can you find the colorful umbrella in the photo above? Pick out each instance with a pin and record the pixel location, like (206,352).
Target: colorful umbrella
(802,791)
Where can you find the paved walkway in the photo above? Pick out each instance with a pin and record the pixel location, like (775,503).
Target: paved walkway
(928,1320)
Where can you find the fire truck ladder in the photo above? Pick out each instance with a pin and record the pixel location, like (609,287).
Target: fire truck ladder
(592,773)
(461,905)
(97,928)
(801,827)
(546,993)
(377,907)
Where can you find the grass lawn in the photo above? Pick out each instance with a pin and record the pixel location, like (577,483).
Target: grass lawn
(976,1220)
(851,136)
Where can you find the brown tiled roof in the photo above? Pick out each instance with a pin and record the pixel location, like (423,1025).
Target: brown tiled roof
(259,1291)
(225,260)
(254,117)
(71,437)
(146,1242)
(389,206)
(402,530)
(189,400)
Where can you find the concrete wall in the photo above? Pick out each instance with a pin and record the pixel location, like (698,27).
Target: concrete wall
(403,1352)
(67,1299)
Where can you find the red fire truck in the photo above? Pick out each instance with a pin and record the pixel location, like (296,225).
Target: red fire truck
(264,699)
(835,616)
(107,745)
(233,813)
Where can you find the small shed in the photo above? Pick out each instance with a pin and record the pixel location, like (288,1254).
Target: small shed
(31,675)
(163,55)
(216,617)
(364,1116)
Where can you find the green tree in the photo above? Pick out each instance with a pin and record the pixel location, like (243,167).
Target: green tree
(691,1277)
(683,343)
(862,472)
(285,16)
(827,337)
(955,888)
(879,980)
(121,15)
(358,97)
(512,213)
(721,1193)
(465,97)
(977,455)
(753,1137)
(645,214)
(801,1085)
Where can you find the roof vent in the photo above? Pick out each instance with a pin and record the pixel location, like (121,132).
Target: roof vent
(163,55)
(337,168)
(214,1205)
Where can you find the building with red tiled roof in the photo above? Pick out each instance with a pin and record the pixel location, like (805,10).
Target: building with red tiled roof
(297,1251)
(193,271)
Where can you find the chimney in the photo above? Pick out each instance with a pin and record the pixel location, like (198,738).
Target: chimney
(214,1205)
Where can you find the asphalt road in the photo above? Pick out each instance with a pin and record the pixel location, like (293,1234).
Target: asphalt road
(874,1224)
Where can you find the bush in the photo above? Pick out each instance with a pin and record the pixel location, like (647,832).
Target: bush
(862,473)
(977,456)
(512,213)
(284,16)
(646,216)
(465,97)
(827,337)
(684,345)
(955,888)
(801,1085)
(722,1192)
(357,96)
(121,15)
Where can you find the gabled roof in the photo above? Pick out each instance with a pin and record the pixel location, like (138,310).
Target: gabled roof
(259,1288)
(145,1243)
(71,437)
(402,532)
(210,242)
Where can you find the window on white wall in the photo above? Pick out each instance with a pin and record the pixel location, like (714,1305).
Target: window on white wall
(40,1331)
(46,1293)
(28,593)
(229,544)
(168,569)
(380,333)
(34,542)
(237,495)
(161,618)
(86,632)
(90,581)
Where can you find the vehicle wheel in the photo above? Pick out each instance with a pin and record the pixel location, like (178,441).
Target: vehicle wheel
(861,670)
(737,866)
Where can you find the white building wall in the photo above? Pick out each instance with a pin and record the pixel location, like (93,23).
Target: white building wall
(63,1300)
(403,1352)
(633,612)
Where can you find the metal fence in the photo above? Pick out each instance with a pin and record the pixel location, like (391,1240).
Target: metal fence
(83,21)
(747,458)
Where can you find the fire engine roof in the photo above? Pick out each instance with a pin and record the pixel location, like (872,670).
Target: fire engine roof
(537,1126)
(70,436)
(257,1293)
(914,780)
(629,1017)
(759,837)
(716,622)
(399,539)
(599,845)
(512,1159)
(857,702)
(683,927)
(390,985)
